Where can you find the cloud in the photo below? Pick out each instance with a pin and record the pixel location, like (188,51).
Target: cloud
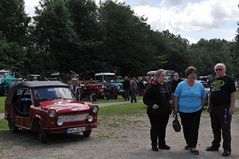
(197,16)
(29,6)
(170,3)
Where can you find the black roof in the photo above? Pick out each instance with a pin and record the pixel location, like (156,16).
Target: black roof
(32,84)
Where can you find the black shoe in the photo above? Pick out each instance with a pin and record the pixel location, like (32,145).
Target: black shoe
(194,151)
(154,148)
(164,147)
(212,148)
(226,153)
(186,147)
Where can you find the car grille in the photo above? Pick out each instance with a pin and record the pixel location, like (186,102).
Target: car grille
(70,118)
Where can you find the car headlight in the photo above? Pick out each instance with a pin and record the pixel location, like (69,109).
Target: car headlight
(52,113)
(90,118)
(95,109)
(60,122)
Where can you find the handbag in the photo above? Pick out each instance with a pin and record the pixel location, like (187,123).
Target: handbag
(176,125)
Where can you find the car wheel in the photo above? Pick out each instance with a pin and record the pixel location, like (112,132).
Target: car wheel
(12,127)
(93,97)
(87,133)
(107,96)
(114,95)
(42,134)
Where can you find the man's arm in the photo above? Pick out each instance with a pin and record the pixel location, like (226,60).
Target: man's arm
(232,104)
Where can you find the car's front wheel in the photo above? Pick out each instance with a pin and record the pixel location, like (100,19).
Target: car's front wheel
(87,133)
(42,134)
(12,127)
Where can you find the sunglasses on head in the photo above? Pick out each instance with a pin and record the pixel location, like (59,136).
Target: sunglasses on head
(218,69)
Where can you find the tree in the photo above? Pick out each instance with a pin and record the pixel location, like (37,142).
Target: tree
(13,20)
(85,18)
(127,40)
(55,35)
(13,35)
(173,49)
(206,53)
(12,55)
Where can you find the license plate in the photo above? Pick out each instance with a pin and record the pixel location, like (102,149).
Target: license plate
(75,130)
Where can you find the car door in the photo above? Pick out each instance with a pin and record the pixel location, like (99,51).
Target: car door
(23,107)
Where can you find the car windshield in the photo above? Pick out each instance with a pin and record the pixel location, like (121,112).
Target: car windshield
(51,93)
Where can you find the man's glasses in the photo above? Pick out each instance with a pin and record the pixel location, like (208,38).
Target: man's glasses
(219,69)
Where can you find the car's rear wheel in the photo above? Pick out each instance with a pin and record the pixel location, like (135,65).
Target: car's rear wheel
(87,133)
(42,134)
(12,127)
(107,96)
(93,97)
(114,95)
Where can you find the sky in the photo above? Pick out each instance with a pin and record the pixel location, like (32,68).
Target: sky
(192,19)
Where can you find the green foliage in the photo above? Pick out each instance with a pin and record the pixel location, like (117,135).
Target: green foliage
(14,21)
(55,34)
(127,39)
(173,48)
(13,35)
(12,55)
(206,53)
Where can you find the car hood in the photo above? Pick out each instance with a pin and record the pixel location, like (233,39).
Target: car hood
(63,106)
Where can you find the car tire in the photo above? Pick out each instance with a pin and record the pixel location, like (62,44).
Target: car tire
(114,95)
(12,127)
(107,96)
(42,134)
(93,97)
(87,133)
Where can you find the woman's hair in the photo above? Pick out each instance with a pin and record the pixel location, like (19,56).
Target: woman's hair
(159,72)
(189,70)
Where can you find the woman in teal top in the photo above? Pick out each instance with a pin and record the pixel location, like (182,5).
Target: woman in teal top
(188,101)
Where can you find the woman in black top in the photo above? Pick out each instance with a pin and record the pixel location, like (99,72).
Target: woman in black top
(156,97)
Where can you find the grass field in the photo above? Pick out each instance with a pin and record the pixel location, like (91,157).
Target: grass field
(3,124)
(2,103)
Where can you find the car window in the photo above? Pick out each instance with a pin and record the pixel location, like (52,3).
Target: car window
(51,93)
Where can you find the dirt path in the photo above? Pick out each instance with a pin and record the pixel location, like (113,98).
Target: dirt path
(122,137)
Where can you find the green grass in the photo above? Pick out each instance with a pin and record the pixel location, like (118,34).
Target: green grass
(123,109)
(119,99)
(3,124)
(2,104)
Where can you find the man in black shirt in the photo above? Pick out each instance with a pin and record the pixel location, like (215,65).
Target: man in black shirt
(156,97)
(221,107)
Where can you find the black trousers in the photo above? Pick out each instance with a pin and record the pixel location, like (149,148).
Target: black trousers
(191,122)
(158,123)
(221,123)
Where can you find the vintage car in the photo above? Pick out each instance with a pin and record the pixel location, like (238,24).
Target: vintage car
(47,107)
(95,91)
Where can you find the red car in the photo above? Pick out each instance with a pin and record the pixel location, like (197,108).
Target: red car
(48,107)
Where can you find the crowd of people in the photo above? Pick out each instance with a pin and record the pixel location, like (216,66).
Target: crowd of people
(188,97)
